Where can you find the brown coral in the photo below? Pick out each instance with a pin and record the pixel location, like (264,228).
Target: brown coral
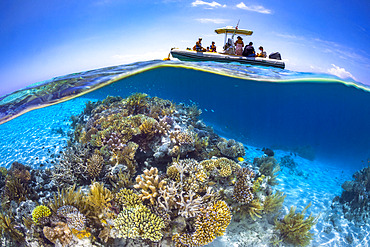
(149,183)
(58,233)
(94,165)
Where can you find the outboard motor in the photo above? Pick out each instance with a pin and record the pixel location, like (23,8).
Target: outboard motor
(275,55)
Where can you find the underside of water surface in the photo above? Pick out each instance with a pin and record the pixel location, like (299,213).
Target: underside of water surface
(211,154)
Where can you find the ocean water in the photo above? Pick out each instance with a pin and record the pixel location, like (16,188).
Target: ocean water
(320,121)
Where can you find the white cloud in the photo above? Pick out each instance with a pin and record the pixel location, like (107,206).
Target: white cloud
(255,8)
(209,20)
(212,4)
(340,72)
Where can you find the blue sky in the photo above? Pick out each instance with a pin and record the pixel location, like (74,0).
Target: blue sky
(41,39)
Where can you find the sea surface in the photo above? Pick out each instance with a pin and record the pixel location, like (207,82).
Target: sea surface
(319,120)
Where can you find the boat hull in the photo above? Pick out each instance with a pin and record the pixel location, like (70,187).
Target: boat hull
(188,55)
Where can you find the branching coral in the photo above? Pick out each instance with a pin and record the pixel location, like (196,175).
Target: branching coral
(40,212)
(231,148)
(150,184)
(190,204)
(210,223)
(139,222)
(294,229)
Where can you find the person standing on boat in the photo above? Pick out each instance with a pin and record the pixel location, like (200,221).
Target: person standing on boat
(239,44)
(262,54)
(212,48)
(249,50)
(198,45)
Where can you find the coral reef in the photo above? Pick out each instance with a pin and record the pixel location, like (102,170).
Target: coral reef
(139,170)
(294,229)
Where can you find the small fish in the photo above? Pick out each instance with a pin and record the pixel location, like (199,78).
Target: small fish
(240,159)
(212,110)
(205,109)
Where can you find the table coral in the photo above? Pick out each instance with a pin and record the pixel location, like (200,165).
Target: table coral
(40,212)
(149,183)
(139,222)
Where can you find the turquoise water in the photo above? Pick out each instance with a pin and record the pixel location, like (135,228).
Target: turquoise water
(320,121)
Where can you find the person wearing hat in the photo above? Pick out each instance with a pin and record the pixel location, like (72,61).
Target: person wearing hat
(239,44)
(198,45)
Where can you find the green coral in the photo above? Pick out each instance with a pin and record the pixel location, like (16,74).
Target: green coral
(294,229)
(40,212)
(139,222)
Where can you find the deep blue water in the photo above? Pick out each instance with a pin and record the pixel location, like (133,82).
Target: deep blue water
(321,118)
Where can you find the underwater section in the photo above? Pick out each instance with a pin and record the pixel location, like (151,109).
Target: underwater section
(185,154)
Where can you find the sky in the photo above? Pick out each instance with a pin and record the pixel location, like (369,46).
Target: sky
(42,39)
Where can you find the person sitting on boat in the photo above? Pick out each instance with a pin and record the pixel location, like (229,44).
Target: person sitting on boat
(213,47)
(239,44)
(249,50)
(262,54)
(198,45)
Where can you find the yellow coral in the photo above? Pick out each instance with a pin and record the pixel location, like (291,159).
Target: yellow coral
(81,234)
(128,198)
(173,173)
(211,223)
(224,166)
(149,183)
(40,212)
(139,222)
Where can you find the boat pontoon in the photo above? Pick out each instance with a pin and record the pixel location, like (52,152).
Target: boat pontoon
(228,54)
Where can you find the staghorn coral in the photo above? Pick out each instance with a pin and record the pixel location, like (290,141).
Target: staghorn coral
(127,198)
(273,202)
(40,212)
(75,220)
(231,148)
(189,205)
(139,222)
(150,184)
(168,197)
(209,224)
(58,233)
(294,229)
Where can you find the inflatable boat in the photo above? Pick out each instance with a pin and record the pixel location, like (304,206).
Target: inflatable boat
(228,53)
